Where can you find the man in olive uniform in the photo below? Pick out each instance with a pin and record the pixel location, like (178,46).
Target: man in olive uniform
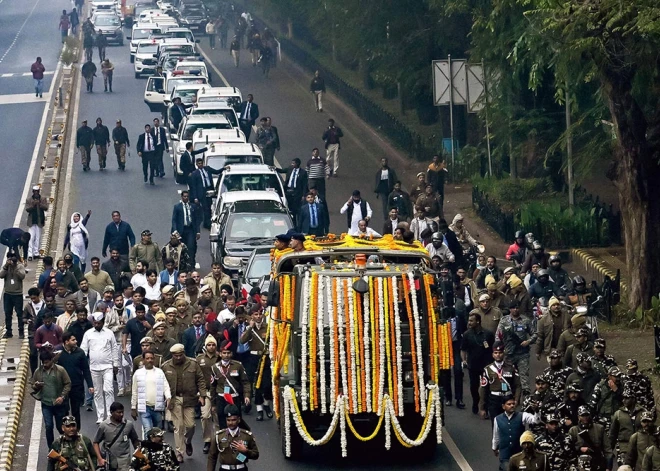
(600,361)
(626,421)
(590,439)
(583,345)
(146,250)
(154,454)
(556,444)
(641,441)
(606,398)
(138,361)
(74,447)
(498,380)
(556,373)
(529,457)
(206,360)
(233,446)
(640,384)
(584,376)
(255,336)
(188,388)
(517,333)
(229,382)
(161,344)
(490,316)
(568,337)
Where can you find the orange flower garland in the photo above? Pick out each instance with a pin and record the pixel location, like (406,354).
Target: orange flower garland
(362,370)
(413,349)
(335,343)
(349,341)
(392,349)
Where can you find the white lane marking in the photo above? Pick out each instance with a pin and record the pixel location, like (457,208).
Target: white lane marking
(35,437)
(24,74)
(23,98)
(19,32)
(454,451)
(217,71)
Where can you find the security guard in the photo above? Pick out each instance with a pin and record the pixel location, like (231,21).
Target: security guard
(640,384)
(498,380)
(556,373)
(590,439)
(556,444)
(228,383)
(600,361)
(606,398)
(255,336)
(626,421)
(206,360)
(529,458)
(154,454)
(233,445)
(641,441)
(542,400)
(73,447)
(138,361)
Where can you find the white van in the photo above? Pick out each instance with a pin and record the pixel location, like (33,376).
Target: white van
(140,32)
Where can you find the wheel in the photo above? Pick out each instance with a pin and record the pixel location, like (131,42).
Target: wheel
(137,75)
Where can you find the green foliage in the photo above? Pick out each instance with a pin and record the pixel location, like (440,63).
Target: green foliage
(70,51)
(646,318)
(509,193)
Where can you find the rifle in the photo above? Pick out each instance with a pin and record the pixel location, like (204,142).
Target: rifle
(142,457)
(65,463)
(597,455)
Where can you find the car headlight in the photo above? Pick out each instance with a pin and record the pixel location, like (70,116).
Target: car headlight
(231,262)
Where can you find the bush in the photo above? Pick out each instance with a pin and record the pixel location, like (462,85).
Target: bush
(70,50)
(509,193)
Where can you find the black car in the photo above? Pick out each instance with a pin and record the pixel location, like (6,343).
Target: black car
(244,226)
(256,273)
(193,16)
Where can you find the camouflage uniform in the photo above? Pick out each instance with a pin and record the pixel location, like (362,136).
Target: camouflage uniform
(513,332)
(559,450)
(544,403)
(640,442)
(79,450)
(602,365)
(160,457)
(604,402)
(640,384)
(624,424)
(557,378)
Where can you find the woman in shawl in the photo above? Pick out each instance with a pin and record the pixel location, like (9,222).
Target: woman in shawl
(77,239)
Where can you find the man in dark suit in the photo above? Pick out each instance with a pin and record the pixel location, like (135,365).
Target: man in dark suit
(146,149)
(187,161)
(324,208)
(311,217)
(177,113)
(201,181)
(392,222)
(248,115)
(186,219)
(160,141)
(192,334)
(295,186)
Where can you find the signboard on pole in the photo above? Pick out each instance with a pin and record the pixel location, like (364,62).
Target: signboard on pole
(443,82)
(476,87)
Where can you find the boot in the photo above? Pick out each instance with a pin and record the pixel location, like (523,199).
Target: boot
(269,412)
(260,416)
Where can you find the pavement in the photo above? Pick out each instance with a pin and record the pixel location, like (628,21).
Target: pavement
(284,97)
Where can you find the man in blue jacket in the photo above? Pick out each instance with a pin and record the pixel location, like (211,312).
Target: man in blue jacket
(119,235)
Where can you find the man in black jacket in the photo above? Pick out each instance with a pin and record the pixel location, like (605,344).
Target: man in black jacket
(249,112)
(187,161)
(295,186)
(178,112)
(384,184)
(122,142)
(160,139)
(201,181)
(81,324)
(118,269)
(75,362)
(146,149)
(102,141)
(118,234)
(186,220)
(84,142)
(453,244)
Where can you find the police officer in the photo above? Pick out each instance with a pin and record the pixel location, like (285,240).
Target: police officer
(542,400)
(498,380)
(583,345)
(233,445)
(556,444)
(529,457)
(640,384)
(206,360)
(556,373)
(600,361)
(568,411)
(229,383)
(626,421)
(606,398)
(640,441)
(72,447)
(590,439)
(517,333)
(255,336)
(154,455)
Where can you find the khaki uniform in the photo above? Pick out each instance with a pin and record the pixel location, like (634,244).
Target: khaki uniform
(138,362)
(536,462)
(150,253)
(230,380)
(206,362)
(256,339)
(546,327)
(496,383)
(222,450)
(215,284)
(570,357)
(490,319)
(162,347)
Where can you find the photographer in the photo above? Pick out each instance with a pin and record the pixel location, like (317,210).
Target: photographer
(13,273)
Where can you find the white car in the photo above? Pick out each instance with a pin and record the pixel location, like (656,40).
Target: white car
(250,177)
(216,108)
(158,89)
(192,67)
(140,32)
(145,57)
(109,6)
(179,32)
(231,95)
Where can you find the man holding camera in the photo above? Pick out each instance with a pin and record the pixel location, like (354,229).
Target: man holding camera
(13,273)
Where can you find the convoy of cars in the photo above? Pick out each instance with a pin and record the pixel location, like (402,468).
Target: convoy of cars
(249,202)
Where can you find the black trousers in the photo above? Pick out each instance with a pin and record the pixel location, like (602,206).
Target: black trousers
(319,183)
(265,391)
(474,375)
(148,168)
(158,161)
(246,127)
(34,356)
(11,303)
(189,237)
(75,402)
(206,209)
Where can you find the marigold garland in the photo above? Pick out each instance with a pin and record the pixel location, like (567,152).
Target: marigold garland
(413,349)
(350,352)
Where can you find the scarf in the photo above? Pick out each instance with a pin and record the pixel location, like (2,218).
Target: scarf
(79,224)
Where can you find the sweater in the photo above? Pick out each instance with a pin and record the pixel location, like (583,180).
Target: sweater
(13,276)
(77,367)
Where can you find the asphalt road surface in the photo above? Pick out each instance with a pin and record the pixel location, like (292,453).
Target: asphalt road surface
(285,98)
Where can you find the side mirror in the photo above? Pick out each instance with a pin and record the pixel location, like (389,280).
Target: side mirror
(174,138)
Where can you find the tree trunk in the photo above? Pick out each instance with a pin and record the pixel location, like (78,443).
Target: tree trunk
(638,183)
(289,27)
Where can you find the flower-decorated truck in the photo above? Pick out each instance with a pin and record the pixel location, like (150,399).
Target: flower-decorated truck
(356,345)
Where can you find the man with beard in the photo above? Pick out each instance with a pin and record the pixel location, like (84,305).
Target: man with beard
(179,252)
(118,235)
(556,444)
(192,334)
(590,439)
(568,411)
(607,398)
(529,457)
(80,325)
(117,268)
(216,279)
(556,373)
(161,343)
(115,319)
(154,453)
(73,446)
(139,279)
(136,328)
(583,345)
(100,346)
(584,376)
(550,327)
(641,441)
(147,251)
(86,297)
(74,361)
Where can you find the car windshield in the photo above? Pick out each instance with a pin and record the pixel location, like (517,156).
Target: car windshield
(194,12)
(229,114)
(190,129)
(248,225)
(252,182)
(171,83)
(147,48)
(219,161)
(181,34)
(259,267)
(198,69)
(140,8)
(143,33)
(106,20)
(186,95)
(186,49)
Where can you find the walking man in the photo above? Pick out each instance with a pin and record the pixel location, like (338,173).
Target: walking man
(36,207)
(122,142)
(331,138)
(118,236)
(116,435)
(151,392)
(233,446)
(64,25)
(206,360)
(74,361)
(161,146)
(266,142)
(107,69)
(356,209)
(102,141)
(84,142)
(13,274)
(385,180)
(51,385)
(88,71)
(101,43)
(476,353)
(38,70)
(518,334)
(146,149)
(201,182)
(186,221)
(100,346)
(317,172)
(73,446)
(249,112)
(235,50)
(317,87)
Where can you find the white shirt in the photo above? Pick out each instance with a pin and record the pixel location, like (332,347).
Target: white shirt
(225,316)
(357,215)
(395,222)
(37,307)
(369,232)
(139,279)
(294,178)
(101,348)
(153,292)
(527,419)
(384,174)
(443,252)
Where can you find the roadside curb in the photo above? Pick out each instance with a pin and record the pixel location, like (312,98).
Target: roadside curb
(16,406)
(594,267)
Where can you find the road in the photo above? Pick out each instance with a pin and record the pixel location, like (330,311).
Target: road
(286,99)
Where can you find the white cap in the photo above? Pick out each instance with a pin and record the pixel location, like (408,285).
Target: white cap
(36,188)
(97,316)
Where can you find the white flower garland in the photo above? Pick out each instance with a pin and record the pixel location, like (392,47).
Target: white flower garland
(418,344)
(304,363)
(438,415)
(429,423)
(398,347)
(331,321)
(321,342)
(367,354)
(352,353)
(388,428)
(342,337)
(287,421)
(342,427)
(381,345)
